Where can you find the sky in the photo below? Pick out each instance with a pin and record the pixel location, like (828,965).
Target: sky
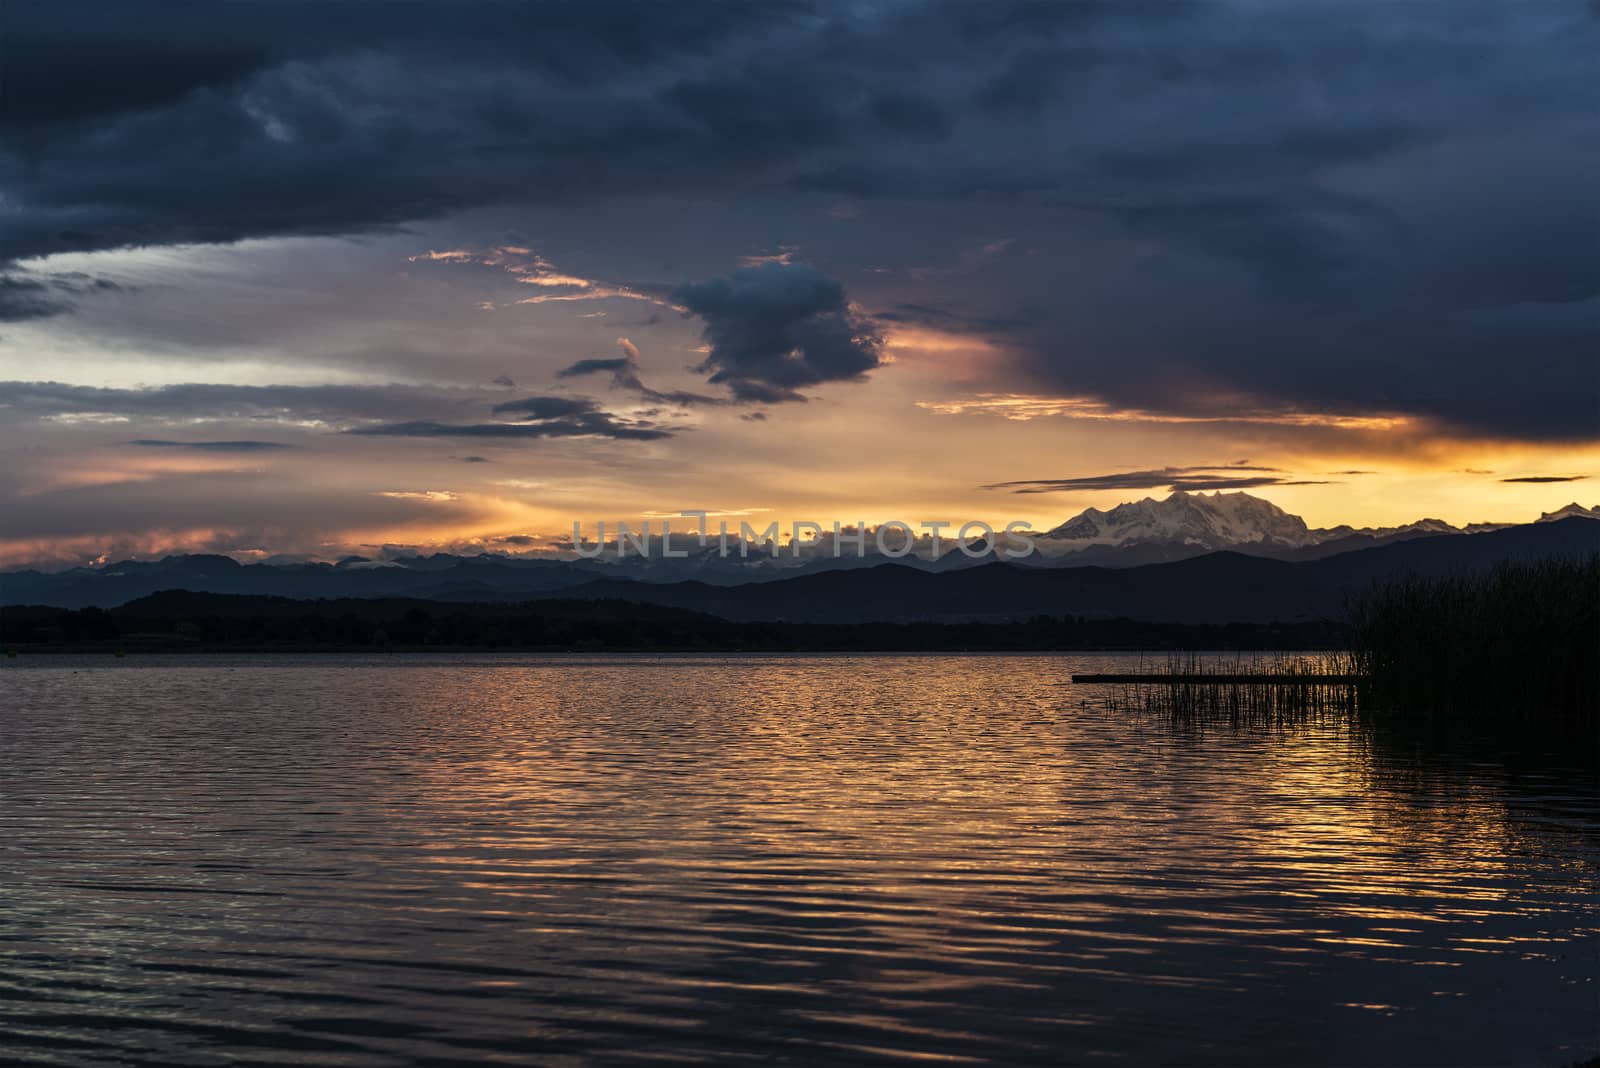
(318,278)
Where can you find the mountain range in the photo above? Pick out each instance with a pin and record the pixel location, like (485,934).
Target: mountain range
(1269,566)
(1189,524)
(1219,587)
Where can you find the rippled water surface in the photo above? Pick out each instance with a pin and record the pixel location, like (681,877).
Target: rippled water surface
(448,860)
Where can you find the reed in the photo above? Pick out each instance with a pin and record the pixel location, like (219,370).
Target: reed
(1510,653)
(1518,645)
(1281,691)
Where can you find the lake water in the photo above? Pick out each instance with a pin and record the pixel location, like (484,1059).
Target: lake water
(477,859)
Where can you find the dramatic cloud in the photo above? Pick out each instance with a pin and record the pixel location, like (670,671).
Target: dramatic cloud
(1223,199)
(1319,232)
(1547,478)
(776,327)
(1192,479)
(328,118)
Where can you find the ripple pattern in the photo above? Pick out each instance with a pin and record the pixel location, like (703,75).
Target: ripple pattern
(444,860)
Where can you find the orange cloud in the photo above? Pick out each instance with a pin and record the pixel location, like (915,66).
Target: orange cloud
(1022,407)
(530,268)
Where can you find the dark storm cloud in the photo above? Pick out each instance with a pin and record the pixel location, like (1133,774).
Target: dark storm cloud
(1191,479)
(195,122)
(208,446)
(1547,478)
(199,122)
(1353,206)
(777,327)
(61,56)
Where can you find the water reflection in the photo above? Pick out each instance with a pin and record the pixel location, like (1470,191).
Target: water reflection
(444,859)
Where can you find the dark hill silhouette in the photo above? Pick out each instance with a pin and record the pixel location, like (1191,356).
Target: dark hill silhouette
(1217,587)
(437,578)
(176,605)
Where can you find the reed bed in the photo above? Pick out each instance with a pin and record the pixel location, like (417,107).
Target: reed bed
(1518,645)
(1296,690)
(1509,652)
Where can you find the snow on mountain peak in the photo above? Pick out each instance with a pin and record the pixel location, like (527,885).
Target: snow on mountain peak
(1571,510)
(1216,521)
(1191,523)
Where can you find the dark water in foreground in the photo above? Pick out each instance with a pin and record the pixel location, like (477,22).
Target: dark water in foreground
(446,860)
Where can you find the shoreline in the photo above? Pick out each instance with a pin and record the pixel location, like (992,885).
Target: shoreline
(131,651)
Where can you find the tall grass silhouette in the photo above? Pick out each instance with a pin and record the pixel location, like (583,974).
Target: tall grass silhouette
(1516,645)
(1282,691)
(1511,650)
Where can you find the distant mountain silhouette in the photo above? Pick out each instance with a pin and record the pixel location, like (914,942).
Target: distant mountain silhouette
(437,578)
(1212,588)
(441,576)
(1135,534)
(1215,588)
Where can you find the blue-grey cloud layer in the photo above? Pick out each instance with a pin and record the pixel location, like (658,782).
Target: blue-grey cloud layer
(1354,205)
(374,411)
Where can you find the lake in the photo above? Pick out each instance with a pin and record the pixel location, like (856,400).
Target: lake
(477,859)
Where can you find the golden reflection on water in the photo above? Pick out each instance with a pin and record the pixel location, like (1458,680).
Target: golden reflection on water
(820,857)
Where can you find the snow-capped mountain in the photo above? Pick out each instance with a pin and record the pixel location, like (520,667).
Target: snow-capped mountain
(1571,510)
(1194,520)
(1187,524)
(1421,526)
